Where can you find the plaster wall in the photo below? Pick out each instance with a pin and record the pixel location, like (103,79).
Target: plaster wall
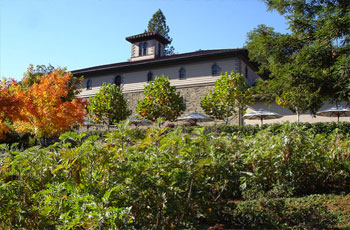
(290,116)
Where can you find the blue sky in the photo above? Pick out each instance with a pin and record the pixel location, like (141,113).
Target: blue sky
(83,33)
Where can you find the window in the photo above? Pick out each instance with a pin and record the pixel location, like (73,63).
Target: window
(144,48)
(118,80)
(183,101)
(215,70)
(246,72)
(140,49)
(182,73)
(89,85)
(159,49)
(149,76)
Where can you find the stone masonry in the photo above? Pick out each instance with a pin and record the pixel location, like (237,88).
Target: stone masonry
(192,97)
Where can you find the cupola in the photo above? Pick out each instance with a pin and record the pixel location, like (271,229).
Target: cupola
(147,46)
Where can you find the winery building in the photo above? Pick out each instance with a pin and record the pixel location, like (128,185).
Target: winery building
(192,73)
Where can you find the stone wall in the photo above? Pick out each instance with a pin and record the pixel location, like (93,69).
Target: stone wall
(192,97)
(132,100)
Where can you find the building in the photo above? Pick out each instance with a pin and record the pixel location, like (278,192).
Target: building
(192,73)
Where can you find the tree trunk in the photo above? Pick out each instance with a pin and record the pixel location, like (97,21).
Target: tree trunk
(298,115)
(240,117)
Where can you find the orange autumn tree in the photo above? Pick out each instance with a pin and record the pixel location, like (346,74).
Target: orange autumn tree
(48,108)
(11,102)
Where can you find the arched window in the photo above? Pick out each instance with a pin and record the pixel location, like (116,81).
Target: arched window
(140,49)
(89,85)
(149,76)
(215,70)
(144,48)
(182,73)
(159,49)
(118,80)
(183,101)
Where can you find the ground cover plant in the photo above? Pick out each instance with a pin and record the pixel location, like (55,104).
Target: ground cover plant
(171,179)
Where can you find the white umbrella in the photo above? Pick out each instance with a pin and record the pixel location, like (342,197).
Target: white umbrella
(195,117)
(261,114)
(337,111)
(88,123)
(136,121)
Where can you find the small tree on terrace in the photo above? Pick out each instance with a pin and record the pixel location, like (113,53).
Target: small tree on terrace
(161,101)
(45,110)
(109,105)
(34,74)
(11,104)
(229,96)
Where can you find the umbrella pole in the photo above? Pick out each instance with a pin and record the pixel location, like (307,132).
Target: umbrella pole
(338,117)
(261,119)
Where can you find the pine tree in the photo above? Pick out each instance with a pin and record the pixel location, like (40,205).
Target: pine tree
(158,24)
(311,63)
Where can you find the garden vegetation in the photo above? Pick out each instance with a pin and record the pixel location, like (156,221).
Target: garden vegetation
(281,177)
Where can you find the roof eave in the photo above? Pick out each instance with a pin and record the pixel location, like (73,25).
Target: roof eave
(146,36)
(159,61)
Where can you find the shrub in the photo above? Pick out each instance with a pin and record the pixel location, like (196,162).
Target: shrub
(326,128)
(157,178)
(295,162)
(295,213)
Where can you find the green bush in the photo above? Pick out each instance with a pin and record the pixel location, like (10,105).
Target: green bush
(172,179)
(156,181)
(291,213)
(326,128)
(295,162)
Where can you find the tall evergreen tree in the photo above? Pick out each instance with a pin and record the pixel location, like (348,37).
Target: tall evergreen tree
(158,24)
(312,62)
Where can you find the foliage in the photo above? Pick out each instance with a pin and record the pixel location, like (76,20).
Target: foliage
(299,100)
(294,162)
(109,105)
(161,101)
(176,180)
(310,64)
(289,84)
(46,111)
(11,103)
(291,213)
(42,105)
(324,128)
(34,75)
(229,96)
(158,24)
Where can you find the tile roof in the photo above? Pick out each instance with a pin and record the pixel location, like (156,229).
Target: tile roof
(164,59)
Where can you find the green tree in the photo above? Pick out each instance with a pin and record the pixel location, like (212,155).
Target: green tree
(161,101)
(34,74)
(230,95)
(311,63)
(158,24)
(109,105)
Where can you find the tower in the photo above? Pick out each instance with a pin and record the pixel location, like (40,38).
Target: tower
(148,45)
